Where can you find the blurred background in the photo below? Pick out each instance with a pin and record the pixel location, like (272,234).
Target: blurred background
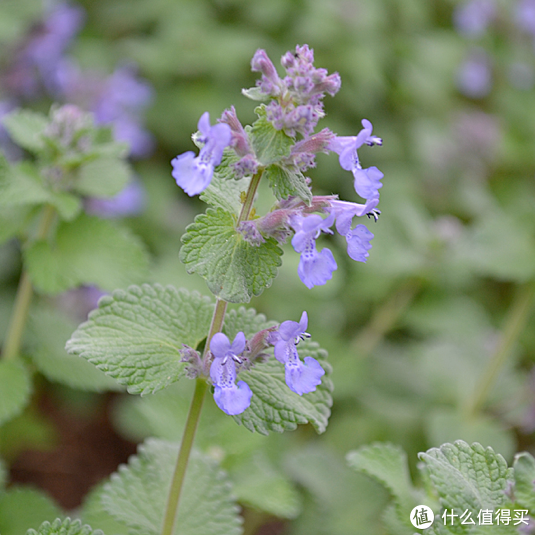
(431,340)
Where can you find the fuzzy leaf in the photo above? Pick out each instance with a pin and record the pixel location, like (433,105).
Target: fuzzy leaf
(15,388)
(21,508)
(50,331)
(136,335)
(137,494)
(64,527)
(104,177)
(285,182)
(88,250)
(387,464)
(225,193)
(26,128)
(270,145)
(21,185)
(233,269)
(524,469)
(468,477)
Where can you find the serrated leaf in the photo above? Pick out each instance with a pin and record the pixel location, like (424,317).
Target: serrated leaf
(94,514)
(524,473)
(285,182)
(87,250)
(234,269)
(269,145)
(15,388)
(225,193)
(26,128)
(137,494)
(136,335)
(104,177)
(21,508)
(50,331)
(387,464)
(468,477)
(64,527)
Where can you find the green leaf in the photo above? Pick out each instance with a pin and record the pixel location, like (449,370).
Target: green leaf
(104,177)
(94,514)
(254,93)
(524,471)
(22,185)
(21,508)
(274,407)
(67,204)
(387,464)
(87,250)
(136,335)
(234,270)
(270,145)
(50,331)
(12,221)
(137,494)
(64,527)
(16,387)
(225,193)
(257,484)
(468,477)
(285,182)
(26,128)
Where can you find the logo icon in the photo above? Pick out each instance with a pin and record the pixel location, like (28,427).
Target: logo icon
(422,517)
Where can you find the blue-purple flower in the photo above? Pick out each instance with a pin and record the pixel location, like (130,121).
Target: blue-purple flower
(367,181)
(315,268)
(300,378)
(230,397)
(473,17)
(193,174)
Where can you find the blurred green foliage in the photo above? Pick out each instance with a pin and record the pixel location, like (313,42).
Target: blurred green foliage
(411,333)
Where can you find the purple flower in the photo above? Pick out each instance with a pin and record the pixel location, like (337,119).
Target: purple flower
(367,181)
(345,212)
(193,174)
(315,268)
(230,397)
(525,15)
(472,18)
(474,75)
(129,202)
(358,243)
(300,378)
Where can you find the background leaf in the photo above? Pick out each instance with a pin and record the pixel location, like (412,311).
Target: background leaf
(16,387)
(136,335)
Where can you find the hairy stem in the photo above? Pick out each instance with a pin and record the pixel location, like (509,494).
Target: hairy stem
(183,456)
(201,386)
(249,198)
(517,318)
(23,298)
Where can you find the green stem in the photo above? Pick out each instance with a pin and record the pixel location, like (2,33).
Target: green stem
(385,318)
(183,456)
(201,386)
(249,198)
(516,321)
(23,298)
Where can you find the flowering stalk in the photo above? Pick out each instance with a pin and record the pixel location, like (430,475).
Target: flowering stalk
(201,386)
(21,308)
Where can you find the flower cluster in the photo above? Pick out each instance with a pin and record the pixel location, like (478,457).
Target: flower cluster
(228,360)
(297,98)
